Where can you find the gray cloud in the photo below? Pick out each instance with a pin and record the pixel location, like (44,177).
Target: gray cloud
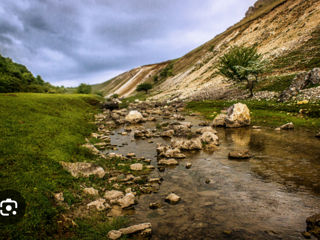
(69,42)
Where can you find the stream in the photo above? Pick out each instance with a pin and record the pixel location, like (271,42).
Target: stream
(266,197)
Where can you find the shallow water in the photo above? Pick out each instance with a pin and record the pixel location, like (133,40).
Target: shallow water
(266,197)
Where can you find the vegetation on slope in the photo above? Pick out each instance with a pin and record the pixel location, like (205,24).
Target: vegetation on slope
(15,77)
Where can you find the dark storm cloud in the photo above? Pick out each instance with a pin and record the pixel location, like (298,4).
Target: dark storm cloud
(68,42)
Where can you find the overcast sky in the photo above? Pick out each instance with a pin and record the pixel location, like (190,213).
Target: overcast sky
(68,42)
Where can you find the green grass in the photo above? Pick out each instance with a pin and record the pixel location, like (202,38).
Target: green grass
(38,131)
(275,83)
(140,96)
(265,113)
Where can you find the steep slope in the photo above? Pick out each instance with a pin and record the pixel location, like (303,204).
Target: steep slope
(287,32)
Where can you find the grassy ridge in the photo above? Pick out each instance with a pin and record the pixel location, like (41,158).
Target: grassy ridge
(265,113)
(38,131)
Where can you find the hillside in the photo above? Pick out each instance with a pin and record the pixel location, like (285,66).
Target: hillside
(16,77)
(287,32)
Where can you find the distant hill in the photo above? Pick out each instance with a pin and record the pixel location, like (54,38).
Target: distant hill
(16,77)
(287,32)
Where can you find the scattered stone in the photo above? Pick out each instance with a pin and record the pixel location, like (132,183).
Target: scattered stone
(127,201)
(99,204)
(277,129)
(124,133)
(91,191)
(238,116)
(306,235)
(185,144)
(83,169)
(204,123)
(147,161)
(239,155)
(92,148)
(206,129)
(168,162)
(287,126)
(154,205)
(313,225)
(131,155)
(114,234)
(59,197)
(136,167)
(172,198)
(219,120)
(256,127)
(209,137)
(188,165)
(168,152)
(151,167)
(134,117)
(161,169)
(113,195)
(168,133)
(154,180)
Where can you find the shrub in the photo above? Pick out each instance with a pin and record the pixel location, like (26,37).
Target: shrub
(84,88)
(144,87)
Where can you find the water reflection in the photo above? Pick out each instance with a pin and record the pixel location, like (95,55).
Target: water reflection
(267,197)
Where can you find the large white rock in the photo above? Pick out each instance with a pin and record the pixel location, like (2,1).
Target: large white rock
(134,117)
(91,191)
(173,198)
(238,116)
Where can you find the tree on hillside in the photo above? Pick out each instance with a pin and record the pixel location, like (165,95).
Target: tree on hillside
(144,87)
(242,63)
(84,88)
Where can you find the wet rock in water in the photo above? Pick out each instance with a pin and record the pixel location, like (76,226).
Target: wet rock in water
(219,120)
(256,127)
(127,201)
(161,169)
(131,155)
(150,167)
(147,161)
(313,225)
(136,167)
(172,198)
(113,195)
(204,123)
(306,235)
(188,165)
(91,191)
(134,117)
(100,204)
(239,155)
(277,129)
(209,137)
(287,126)
(59,197)
(318,135)
(238,116)
(206,129)
(187,144)
(154,205)
(124,133)
(168,133)
(168,162)
(144,133)
(168,152)
(155,180)
(83,169)
(144,229)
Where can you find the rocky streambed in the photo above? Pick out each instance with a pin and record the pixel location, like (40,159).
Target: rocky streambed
(206,183)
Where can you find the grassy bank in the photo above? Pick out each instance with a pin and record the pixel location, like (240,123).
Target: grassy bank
(38,131)
(266,113)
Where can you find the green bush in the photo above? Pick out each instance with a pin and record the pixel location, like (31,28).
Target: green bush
(144,87)
(84,88)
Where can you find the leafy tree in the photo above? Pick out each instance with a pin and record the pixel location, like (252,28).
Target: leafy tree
(84,88)
(242,63)
(144,87)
